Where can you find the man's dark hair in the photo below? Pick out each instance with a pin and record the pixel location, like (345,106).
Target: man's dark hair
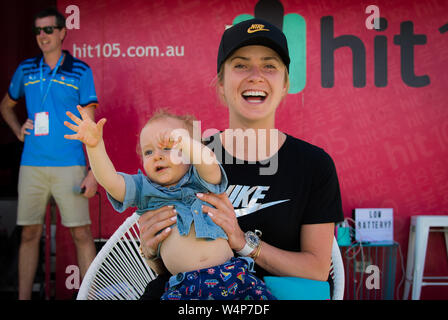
(51,12)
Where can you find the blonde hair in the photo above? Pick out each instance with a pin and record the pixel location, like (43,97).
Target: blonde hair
(163,113)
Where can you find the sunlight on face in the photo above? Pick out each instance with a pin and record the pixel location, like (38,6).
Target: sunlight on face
(161,165)
(253,85)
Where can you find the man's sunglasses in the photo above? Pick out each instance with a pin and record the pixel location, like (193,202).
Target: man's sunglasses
(47,30)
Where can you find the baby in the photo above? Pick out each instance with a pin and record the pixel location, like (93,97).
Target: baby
(196,252)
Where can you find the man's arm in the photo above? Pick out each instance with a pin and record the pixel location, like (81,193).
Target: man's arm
(8,113)
(89,183)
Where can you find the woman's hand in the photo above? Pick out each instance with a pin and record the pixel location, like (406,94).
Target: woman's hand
(150,223)
(224,216)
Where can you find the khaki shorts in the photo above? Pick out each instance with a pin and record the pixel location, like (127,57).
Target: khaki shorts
(37,184)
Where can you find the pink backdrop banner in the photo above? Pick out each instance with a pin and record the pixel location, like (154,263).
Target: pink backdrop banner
(383,119)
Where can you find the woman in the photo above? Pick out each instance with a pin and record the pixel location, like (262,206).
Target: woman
(283,187)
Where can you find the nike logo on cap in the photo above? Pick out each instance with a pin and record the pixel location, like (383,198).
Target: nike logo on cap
(256,27)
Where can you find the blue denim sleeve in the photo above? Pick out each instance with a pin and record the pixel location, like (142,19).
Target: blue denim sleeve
(131,197)
(213,188)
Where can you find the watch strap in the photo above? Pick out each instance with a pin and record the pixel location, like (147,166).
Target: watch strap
(246,251)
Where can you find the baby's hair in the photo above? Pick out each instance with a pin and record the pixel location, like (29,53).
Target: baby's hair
(163,113)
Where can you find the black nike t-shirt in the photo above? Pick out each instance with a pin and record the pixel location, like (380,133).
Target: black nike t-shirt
(297,186)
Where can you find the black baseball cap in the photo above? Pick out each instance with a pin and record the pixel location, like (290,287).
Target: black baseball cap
(253,32)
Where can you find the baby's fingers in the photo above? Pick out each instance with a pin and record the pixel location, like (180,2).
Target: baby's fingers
(101,123)
(164,140)
(71,136)
(71,126)
(84,114)
(73,117)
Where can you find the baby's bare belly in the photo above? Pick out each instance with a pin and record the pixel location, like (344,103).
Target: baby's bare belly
(187,253)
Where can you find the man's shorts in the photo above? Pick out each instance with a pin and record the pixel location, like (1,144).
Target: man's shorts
(232,280)
(37,184)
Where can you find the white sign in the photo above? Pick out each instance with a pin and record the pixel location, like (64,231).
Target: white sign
(374,224)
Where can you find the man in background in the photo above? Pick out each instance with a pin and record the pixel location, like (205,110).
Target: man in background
(52,83)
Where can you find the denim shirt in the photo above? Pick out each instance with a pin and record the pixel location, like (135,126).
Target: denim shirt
(146,195)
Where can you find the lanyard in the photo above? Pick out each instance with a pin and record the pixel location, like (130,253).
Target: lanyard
(51,79)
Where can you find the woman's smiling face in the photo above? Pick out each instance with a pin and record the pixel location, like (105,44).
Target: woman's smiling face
(253,84)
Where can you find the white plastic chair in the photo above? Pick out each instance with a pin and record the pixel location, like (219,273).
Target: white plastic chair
(119,272)
(337,272)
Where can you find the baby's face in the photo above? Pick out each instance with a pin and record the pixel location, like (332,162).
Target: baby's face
(158,163)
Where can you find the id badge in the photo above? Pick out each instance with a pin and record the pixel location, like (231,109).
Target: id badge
(41,124)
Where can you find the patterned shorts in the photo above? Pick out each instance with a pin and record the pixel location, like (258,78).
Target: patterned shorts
(232,280)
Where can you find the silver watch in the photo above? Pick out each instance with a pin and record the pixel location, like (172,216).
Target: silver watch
(252,242)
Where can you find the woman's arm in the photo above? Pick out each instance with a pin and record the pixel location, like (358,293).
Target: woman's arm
(313,262)
(91,134)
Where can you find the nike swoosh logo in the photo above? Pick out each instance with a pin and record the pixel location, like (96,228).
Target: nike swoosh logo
(252,30)
(258,206)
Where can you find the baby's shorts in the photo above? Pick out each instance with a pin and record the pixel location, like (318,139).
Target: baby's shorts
(232,280)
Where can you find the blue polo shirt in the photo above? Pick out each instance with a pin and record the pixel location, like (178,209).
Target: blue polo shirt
(72,85)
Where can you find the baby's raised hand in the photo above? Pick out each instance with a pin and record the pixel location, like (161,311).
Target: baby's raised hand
(166,140)
(175,139)
(87,131)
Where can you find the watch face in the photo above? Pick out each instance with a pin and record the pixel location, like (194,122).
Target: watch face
(252,239)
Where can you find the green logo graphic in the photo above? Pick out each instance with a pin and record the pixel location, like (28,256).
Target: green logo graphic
(294,28)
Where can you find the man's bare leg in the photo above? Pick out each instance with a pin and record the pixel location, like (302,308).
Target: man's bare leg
(28,259)
(85,247)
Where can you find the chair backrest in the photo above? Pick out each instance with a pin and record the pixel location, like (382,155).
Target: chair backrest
(119,272)
(337,272)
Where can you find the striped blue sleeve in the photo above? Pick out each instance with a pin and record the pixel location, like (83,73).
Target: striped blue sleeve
(16,88)
(87,93)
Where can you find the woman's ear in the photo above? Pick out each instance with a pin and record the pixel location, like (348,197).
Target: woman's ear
(285,91)
(220,92)
(285,85)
